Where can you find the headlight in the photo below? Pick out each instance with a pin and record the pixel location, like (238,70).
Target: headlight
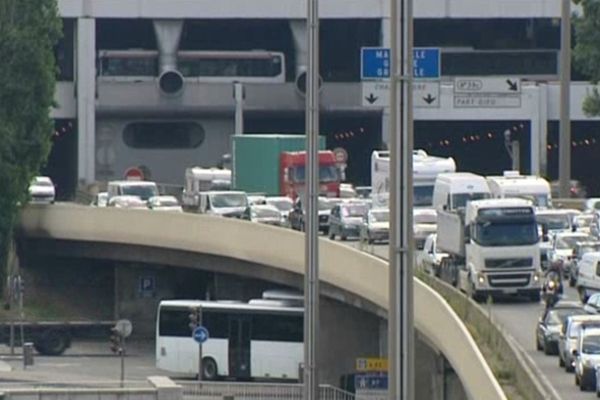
(536,276)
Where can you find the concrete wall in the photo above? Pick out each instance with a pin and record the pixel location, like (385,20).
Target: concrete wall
(347,275)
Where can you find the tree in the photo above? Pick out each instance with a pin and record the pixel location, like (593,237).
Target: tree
(586,54)
(29,29)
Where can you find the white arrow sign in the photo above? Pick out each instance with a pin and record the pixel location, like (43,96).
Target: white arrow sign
(481,85)
(426,94)
(376,94)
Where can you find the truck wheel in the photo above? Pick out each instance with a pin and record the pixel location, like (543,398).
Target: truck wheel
(210,371)
(53,342)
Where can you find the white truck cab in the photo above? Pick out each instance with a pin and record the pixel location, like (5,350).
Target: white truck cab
(513,184)
(142,189)
(452,191)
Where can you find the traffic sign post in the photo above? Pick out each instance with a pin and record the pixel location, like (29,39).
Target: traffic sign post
(199,334)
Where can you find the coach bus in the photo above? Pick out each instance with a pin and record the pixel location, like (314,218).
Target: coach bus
(261,339)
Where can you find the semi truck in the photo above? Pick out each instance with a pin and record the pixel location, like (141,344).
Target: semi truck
(425,170)
(492,244)
(275,165)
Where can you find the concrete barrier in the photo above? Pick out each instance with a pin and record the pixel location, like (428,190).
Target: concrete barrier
(359,275)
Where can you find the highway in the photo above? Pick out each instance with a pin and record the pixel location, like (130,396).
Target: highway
(519,318)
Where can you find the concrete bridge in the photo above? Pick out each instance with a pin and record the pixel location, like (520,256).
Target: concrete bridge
(257,251)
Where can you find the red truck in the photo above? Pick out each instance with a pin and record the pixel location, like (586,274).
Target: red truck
(293,174)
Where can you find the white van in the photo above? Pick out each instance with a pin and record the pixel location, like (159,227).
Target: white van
(452,190)
(142,189)
(588,277)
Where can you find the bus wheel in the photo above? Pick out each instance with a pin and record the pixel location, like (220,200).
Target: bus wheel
(209,369)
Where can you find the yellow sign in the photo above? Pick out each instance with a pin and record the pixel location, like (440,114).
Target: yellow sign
(370,364)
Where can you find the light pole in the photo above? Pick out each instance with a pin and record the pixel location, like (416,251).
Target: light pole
(400,314)
(311,274)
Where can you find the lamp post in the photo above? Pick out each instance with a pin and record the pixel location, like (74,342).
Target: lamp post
(564,148)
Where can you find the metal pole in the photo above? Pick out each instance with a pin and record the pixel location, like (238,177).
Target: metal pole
(311,277)
(564,148)
(516,155)
(238,95)
(199,319)
(122,360)
(400,316)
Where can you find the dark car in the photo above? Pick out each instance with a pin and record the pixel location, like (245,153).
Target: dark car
(550,323)
(296,216)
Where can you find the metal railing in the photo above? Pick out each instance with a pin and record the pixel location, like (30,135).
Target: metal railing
(255,391)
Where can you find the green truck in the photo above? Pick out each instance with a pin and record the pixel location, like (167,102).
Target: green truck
(274,164)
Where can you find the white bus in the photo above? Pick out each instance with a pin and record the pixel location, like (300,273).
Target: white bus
(260,339)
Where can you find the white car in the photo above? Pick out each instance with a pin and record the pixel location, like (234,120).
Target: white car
(429,258)
(283,203)
(376,226)
(266,214)
(42,190)
(129,202)
(587,356)
(164,203)
(563,244)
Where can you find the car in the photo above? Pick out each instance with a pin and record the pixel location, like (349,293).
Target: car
(587,356)
(257,199)
(283,203)
(579,250)
(430,258)
(592,204)
(266,214)
(100,200)
(296,215)
(376,226)
(561,252)
(567,340)
(588,275)
(345,220)
(554,220)
(548,328)
(586,223)
(592,305)
(127,201)
(424,224)
(41,190)
(363,192)
(347,191)
(164,203)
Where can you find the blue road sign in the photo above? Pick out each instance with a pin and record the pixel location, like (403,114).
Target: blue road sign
(375,63)
(371,381)
(200,334)
(426,62)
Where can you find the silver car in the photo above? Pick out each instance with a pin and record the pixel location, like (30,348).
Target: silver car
(567,340)
(587,356)
(345,220)
(376,226)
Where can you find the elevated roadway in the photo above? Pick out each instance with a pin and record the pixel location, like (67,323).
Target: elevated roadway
(347,274)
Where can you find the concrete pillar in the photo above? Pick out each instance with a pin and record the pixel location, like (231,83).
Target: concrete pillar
(166,389)
(543,128)
(298,28)
(86,99)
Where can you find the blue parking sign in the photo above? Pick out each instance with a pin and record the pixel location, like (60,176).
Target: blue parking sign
(375,63)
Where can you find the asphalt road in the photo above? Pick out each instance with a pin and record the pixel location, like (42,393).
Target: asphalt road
(519,318)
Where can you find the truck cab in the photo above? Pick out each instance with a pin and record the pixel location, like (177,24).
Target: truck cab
(452,191)
(293,174)
(513,184)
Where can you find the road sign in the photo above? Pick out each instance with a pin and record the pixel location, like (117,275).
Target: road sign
(498,85)
(487,101)
(340,154)
(134,174)
(426,62)
(124,327)
(371,364)
(426,94)
(376,94)
(200,334)
(374,63)
(370,381)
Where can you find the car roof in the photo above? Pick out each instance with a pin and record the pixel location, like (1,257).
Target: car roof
(567,304)
(584,317)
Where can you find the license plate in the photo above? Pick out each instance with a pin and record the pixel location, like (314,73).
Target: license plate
(510,291)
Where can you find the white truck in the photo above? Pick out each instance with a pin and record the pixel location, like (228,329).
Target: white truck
(199,179)
(513,184)
(425,170)
(492,244)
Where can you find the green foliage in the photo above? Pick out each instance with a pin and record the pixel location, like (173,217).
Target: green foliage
(28,31)
(586,54)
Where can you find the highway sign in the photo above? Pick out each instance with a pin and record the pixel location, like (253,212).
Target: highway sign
(371,381)
(374,63)
(487,100)
(134,174)
(200,334)
(376,94)
(498,85)
(370,364)
(426,62)
(426,94)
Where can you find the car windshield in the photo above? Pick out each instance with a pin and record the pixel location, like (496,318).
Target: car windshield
(574,329)
(505,234)
(584,221)
(144,192)
(423,196)
(43,183)
(558,316)
(265,213)
(324,205)
(568,242)
(380,216)
(459,200)
(588,249)
(554,222)
(327,173)
(354,210)
(591,344)
(223,200)
(282,205)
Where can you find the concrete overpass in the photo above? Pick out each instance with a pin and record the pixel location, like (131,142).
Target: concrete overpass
(264,252)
